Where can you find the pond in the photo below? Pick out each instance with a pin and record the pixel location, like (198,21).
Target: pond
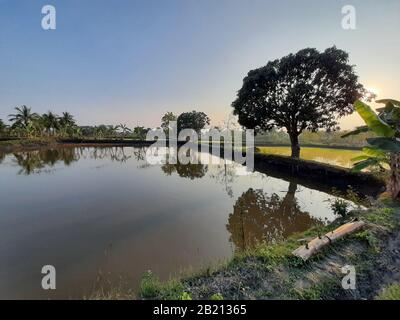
(333,156)
(102,216)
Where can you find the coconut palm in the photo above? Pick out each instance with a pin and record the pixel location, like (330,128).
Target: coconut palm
(3,127)
(67,120)
(124,129)
(23,116)
(50,122)
(141,132)
(111,131)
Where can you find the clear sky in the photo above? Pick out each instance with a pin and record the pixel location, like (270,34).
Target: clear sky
(128,61)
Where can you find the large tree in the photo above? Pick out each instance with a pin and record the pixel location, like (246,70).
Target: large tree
(309,90)
(193,120)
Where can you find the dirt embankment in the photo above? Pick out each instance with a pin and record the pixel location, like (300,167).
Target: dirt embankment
(316,175)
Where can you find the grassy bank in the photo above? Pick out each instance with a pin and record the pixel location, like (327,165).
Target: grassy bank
(272,272)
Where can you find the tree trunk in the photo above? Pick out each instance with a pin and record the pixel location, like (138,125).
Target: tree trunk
(294,140)
(394,179)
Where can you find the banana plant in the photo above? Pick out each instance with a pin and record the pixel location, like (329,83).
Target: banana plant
(385,147)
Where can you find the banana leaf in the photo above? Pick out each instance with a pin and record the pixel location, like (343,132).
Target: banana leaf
(374,152)
(365,164)
(357,131)
(373,121)
(385,144)
(385,101)
(360,158)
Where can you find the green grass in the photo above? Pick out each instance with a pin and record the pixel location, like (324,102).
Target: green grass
(151,287)
(391,292)
(382,216)
(217,296)
(320,290)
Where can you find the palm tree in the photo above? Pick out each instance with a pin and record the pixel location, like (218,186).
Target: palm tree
(50,122)
(124,129)
(2,127)
(23,116)
(67,120)
(111,131)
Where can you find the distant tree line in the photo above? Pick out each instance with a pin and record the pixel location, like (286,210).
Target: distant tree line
(28,124)
(25,123)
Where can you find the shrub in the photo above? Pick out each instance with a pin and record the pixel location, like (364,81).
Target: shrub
(186,296)
(150,286)
(340,207)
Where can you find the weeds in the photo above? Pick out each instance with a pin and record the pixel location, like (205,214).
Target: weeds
(151,287)
(391,292)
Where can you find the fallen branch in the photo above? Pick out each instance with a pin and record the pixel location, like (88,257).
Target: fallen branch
(315,245)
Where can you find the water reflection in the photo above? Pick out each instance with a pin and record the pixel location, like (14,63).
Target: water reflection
(225,175)
(190,171)
(116,154)
(261,218)
(257,217)
(34,161)
(2,157)
(124,220)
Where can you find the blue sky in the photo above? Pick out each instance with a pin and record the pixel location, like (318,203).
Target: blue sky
(128,61)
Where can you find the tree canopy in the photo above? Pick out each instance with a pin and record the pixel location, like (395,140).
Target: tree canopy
(308,90)
(166,119)
(2,126)
(193,120)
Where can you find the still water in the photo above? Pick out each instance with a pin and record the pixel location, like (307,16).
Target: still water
(104,215)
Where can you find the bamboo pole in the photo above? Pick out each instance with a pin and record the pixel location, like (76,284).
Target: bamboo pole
(315,245)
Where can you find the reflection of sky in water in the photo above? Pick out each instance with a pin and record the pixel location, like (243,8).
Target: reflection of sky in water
(88,209)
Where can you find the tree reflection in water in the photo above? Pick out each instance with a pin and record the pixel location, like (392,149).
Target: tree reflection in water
(2,157)
(190,171)
(114,153)
(33,161)
(193,170)
(259,218)
(225,175)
